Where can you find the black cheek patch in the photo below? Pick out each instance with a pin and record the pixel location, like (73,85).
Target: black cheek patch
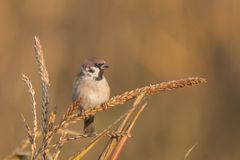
(91,71)
(100,75)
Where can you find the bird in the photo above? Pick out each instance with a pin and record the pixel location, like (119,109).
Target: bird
(92,88)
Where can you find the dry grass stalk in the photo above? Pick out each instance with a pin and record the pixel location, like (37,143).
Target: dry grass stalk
(113,141)
(45,86)
(113,134)
(66,139)
(189,151)
(135,105)
(51,121)
(148,90)
(28,130)
(59,146)
(123,139)
(105,132)
(61,126)
(72,117)
(34,111)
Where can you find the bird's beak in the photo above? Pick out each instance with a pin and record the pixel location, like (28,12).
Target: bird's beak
(104,66)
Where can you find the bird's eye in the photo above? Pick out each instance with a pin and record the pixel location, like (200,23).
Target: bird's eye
(91,70)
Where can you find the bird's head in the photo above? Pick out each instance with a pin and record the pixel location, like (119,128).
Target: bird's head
(94,68)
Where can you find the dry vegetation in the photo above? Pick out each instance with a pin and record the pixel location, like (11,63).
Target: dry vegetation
(41,141)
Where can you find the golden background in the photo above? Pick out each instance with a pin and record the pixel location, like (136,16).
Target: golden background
(143,42)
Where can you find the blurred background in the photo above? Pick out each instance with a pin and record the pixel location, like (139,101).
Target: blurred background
(144,42)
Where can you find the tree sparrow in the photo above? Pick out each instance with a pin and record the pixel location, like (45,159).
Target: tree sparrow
(91,87)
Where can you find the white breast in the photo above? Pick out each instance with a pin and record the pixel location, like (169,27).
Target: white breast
(91,92)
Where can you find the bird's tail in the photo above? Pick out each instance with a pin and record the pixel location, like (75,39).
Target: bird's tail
(89,125)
